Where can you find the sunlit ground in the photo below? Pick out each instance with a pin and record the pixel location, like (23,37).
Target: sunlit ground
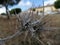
(8,26)
(48,37)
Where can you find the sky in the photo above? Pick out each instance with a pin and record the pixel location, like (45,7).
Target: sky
(26,4)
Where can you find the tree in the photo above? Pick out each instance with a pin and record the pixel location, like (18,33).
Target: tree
(57,4)
(3,13)
(15,11)
(33,9)
(7,3)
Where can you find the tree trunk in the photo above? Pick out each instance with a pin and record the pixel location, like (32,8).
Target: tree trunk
(7,12)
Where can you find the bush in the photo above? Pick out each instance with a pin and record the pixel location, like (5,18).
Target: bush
(15,11)
(33,9)
(3,13)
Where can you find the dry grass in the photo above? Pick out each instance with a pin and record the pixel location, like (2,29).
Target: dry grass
(52,37)
(52,20)
(8,27)
(48,37)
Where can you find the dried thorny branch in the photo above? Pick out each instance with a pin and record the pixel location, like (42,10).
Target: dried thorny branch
(31,26)
(34,26)
(27,23)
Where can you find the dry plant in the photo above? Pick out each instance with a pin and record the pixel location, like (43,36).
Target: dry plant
(32,30)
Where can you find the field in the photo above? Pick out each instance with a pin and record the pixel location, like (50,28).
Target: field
(8,26)
(49,37)
(52,20)
(52,37)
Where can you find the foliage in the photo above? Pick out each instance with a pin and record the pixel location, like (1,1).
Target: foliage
(15,11)
(33,9)
(41,11)
(3,13)
(7,3)
(57,4)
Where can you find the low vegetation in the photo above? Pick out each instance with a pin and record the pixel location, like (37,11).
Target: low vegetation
(48,37)
(8,27)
